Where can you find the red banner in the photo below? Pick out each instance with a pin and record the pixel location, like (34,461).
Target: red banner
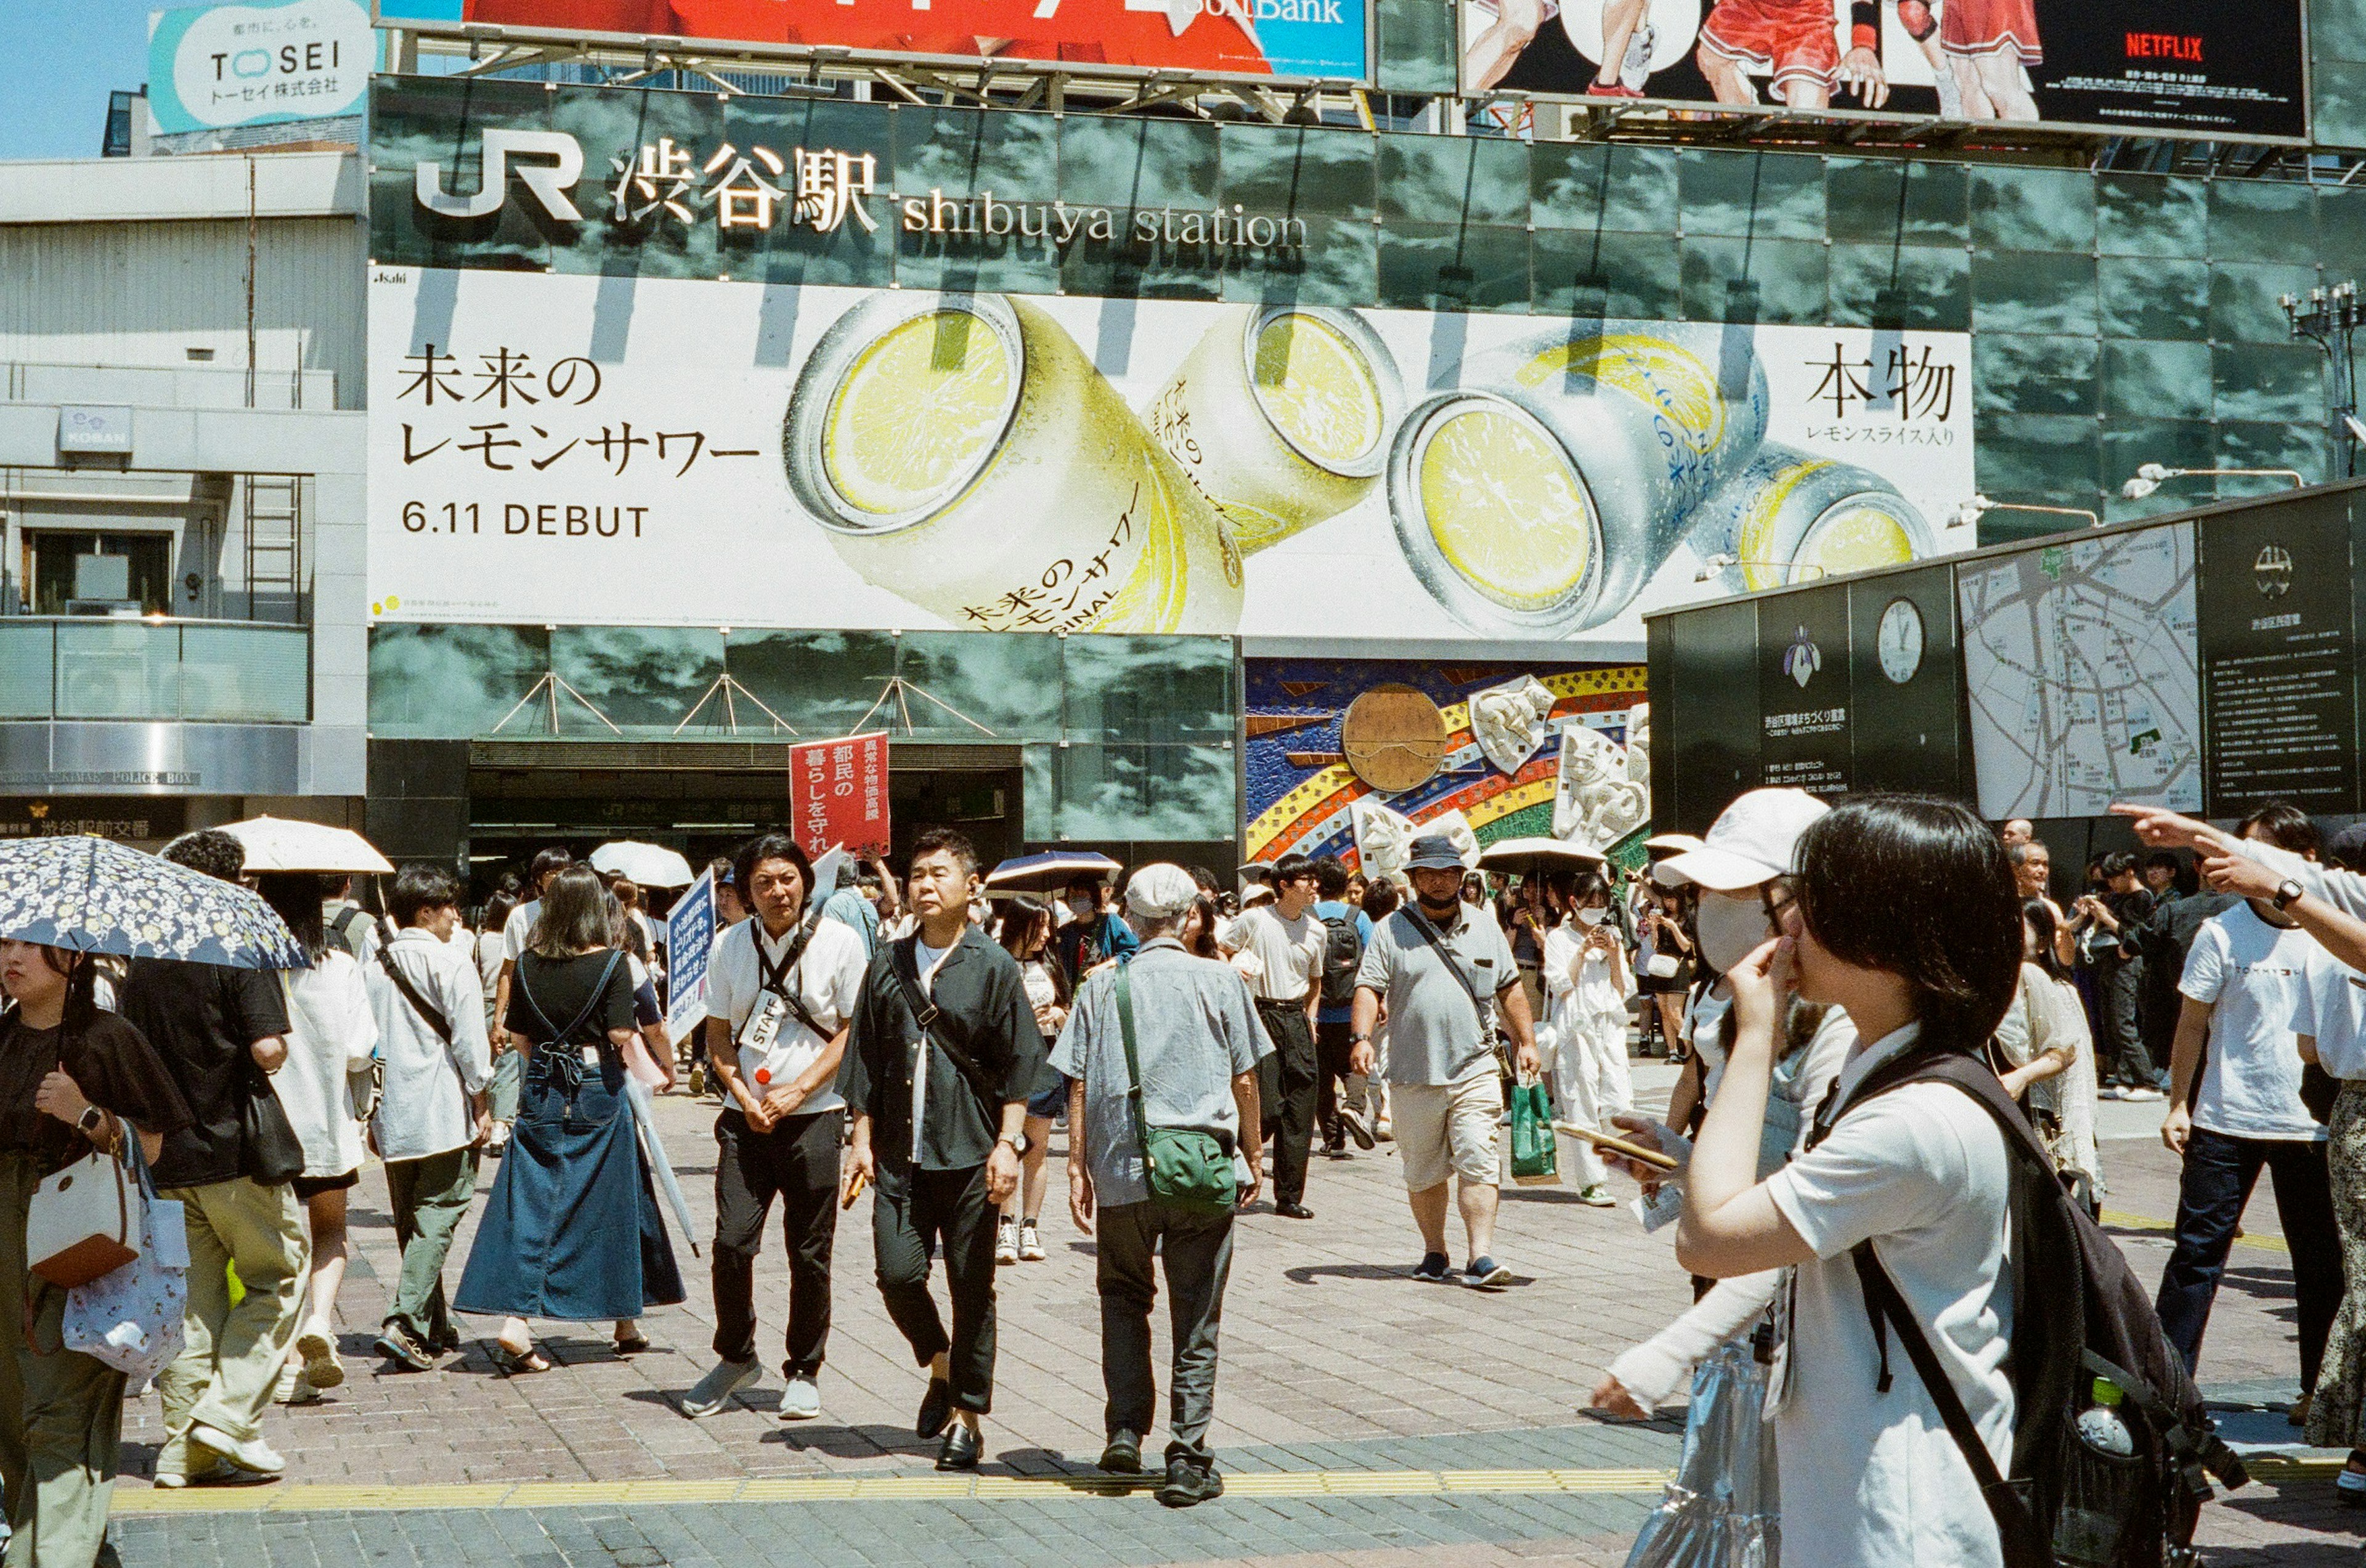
(838,794)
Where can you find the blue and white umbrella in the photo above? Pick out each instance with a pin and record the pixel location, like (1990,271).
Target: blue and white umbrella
(1051,871)
(95,895)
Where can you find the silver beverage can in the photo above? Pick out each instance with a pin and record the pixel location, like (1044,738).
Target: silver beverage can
(961,450)
(1280,414)
(1790,516)
(1540,496)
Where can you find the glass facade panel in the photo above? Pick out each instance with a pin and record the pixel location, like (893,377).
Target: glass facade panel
(260,674)
(1301,170)
(2128,445)
(1336,266)
(1587,272)
(974,685)
(646,680)
(2337,102)
(1415,46)
(2048,458)
(1924,287)
(2156,380)
(1156,688)
(1569,184)
(2262,220)
(822,682)
(1119,162)
(1639,192)
(1894,201)
(118,670)
(2268,381)
(2032,291)
(1130,793)
(2033,210)
(2035,375)
(1452,266)
(1767,196)
(1453,180)
(2149,297)
(27,668)
(2144,215)
(452,682)
(2243,306)
(1760,280)
(2304,446)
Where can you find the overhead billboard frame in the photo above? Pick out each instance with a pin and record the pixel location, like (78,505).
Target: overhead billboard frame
(455,21)
(1560,62)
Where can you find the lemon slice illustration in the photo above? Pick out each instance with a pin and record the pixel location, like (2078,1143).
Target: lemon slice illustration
(1506,507)
(1316,388)
(1852,538)
(917,413)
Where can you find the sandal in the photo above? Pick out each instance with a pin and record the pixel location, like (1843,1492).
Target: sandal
(517,1363)
(634,1346)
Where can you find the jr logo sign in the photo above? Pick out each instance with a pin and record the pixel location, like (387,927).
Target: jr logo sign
(547,182)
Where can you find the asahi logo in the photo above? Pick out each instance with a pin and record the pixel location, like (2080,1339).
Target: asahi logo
(671,185)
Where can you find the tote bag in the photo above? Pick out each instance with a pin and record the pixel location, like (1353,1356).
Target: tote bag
(131,1319)
(84,1221)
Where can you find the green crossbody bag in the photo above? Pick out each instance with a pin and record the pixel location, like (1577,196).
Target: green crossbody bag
(1187,1168)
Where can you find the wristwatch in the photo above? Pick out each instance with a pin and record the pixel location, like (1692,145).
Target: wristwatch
(1358,1039)
(91,1120)
(2288,892)
(1017,1142)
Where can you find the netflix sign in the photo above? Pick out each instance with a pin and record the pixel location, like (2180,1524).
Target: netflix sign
(838,794)
(2222,69)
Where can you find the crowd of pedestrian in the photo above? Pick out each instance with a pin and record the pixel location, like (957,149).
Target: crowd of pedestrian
(1817,971)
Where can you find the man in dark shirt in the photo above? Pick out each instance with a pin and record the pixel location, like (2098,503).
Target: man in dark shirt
(2164,939)
(2108,924)
(939,1130)
(215,1027)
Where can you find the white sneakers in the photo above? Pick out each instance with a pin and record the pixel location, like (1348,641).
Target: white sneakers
(801,1401)
(1030,1243)
(716,1389)
(252,1453)
(1006,1240)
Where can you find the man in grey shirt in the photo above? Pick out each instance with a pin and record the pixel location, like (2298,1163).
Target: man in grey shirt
(1447,973)
(1198,1042)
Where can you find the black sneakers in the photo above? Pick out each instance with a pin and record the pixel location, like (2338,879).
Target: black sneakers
(1189,1482)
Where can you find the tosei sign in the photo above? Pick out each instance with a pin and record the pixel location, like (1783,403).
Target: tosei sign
(260,63)
(1299,39)
(2213,68)
(838,794)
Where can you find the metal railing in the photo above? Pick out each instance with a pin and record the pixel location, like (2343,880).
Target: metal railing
(83,667)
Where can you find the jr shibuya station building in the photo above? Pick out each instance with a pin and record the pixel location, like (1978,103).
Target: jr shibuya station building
(1195,464)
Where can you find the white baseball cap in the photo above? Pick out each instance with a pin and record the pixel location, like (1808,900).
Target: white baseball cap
(1752,839)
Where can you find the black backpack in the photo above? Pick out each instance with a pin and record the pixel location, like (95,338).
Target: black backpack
(2080,1314)
(1343,955)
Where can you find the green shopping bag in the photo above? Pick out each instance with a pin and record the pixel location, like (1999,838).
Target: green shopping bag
(1536,1155)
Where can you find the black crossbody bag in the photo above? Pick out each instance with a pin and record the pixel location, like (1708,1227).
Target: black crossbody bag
(1479,1005)
(903,970)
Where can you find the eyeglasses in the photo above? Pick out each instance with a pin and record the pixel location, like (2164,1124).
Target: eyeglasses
(1777,900)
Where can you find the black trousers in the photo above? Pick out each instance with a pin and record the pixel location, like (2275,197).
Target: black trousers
(1330,1054)
(2212,1194)
(1286,1087)
(912,1212)
(796,1162)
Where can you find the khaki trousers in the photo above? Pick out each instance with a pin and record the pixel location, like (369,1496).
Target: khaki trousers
(224,1376)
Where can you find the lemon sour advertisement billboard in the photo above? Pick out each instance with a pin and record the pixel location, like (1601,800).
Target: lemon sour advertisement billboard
(959,451)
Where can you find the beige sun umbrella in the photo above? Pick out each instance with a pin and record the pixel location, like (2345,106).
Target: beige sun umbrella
(277,843)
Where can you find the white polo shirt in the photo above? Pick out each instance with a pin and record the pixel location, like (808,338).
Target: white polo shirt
(826,979)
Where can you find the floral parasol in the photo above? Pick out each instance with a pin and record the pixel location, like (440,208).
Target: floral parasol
(95,895)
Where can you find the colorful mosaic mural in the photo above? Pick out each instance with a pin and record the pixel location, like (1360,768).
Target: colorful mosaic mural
(1301,784)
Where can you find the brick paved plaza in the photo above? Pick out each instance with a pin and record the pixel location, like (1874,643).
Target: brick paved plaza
(1363,1418)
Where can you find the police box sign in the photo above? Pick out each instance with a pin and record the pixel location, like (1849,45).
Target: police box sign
(667,188)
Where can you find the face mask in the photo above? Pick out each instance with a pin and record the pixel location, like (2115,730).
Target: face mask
(1731,930)
(1592,917)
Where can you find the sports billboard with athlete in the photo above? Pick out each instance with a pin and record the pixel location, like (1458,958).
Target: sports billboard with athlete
(2212,68)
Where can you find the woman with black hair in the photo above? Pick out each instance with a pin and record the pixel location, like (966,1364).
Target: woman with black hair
(572,1231)
(325,1089)
(1025,933)
(73,1079)
(1904,912)
(2049,1057)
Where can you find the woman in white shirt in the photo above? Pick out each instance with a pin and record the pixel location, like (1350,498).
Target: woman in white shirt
(325,1089)
(2050,1054)
(1588,981)
(508,1066)
(1903,911)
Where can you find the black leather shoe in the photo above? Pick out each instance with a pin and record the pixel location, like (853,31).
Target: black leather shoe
(1293,1210)
(1187,1483)
(962,1447)
(936,1408)
(1123,1455)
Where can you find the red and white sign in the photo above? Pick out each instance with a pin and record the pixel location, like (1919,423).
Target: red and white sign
(838,794)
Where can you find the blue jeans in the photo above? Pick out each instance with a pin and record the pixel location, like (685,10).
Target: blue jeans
(2220,1172)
